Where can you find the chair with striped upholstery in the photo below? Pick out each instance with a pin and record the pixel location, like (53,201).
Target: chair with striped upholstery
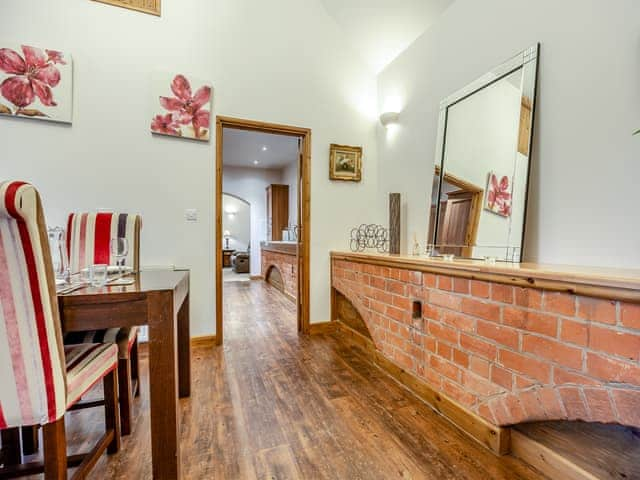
(88,242)
(39,378)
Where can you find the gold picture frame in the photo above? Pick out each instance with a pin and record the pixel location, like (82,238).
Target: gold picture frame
(151,7)
(345,163)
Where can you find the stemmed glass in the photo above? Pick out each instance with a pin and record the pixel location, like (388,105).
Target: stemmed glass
(120,250)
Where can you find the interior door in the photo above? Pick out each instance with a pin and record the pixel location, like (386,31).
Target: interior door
(456,221)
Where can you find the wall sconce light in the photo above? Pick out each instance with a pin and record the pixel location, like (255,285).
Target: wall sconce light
(230,212)
(389,118)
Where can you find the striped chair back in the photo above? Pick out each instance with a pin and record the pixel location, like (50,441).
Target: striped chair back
(32,365)
(89,236)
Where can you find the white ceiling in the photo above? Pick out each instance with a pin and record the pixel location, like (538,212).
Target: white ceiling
(240,148)
(382,29)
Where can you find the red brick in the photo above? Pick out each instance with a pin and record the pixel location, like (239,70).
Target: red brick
(429,344)
(378,282)
(597,310)
(398,288)
(553,350)
(485,412)
(409,276)
(627,402)
(502,377)
(396,313)
(443,332)
(383,296)
(528,366)
(445,368)
(599,405)
(503,335)
(615,342)
(446,300)
(478,385)
(434,378)
(445,283)
(530,321)
(500,411)
(378,306)
(630,315)
(532,406)
(461,285)
(574,332)
(488,311)
(566,377)
(612,370)
(573,403)
(444,350)
(512,403)
(479,366)
(528,298)
(460,358)
(429,280)
(553,407)
(458,321)
(560,303)
(401,302)
(403,360)
(458,393)
(523,382)
(478,346)
(430,312)
(502,293)
(480,289)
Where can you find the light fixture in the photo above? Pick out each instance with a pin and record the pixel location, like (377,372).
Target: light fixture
(389,118)
(256,162)
(231,212)
(227,235)
(264,148)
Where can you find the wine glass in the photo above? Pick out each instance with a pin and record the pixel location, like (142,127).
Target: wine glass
(120,250)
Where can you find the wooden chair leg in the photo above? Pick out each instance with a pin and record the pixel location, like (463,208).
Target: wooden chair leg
(30,441)
(111,410)
(135,366)
(55,450)
(125,394)
(11,446)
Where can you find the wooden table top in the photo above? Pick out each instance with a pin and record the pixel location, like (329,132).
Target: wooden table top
(145,281)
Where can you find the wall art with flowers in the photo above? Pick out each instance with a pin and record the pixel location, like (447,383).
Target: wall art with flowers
(181,106)
(498,198)
(36,83)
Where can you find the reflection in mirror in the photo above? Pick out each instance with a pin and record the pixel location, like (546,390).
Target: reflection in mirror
(478,203)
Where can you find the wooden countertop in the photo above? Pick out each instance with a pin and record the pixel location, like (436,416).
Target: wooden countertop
(285,248)
(613,283)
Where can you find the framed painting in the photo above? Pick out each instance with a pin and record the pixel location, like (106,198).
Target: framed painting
(498,199)
(145,6)
(36,83)
(181,106)
(345,163)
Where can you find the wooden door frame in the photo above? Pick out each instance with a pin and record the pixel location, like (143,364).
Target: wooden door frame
(304,213)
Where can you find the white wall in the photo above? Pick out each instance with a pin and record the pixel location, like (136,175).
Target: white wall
(250,184)
(585,166)
(281,61)
(236,219)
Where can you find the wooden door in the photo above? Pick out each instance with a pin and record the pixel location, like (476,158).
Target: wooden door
(456,221)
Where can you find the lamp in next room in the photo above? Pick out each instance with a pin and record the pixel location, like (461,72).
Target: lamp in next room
(227,236)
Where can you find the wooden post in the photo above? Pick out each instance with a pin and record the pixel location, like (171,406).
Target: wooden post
(394,223)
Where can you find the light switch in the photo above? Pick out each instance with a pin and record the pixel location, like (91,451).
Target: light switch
(191,215)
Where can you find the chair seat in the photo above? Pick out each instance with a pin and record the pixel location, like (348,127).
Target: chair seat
(124,337)
(87,364)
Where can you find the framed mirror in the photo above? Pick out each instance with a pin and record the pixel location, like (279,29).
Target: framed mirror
(481,172)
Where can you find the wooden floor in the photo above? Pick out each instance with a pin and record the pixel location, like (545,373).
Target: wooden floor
(273,405)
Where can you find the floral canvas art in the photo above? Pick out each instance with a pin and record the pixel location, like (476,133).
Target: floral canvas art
(36,83)
(498,198)
(182,107)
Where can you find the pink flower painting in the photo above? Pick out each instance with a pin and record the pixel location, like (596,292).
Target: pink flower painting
(36,83)
(498,198)
(186,107)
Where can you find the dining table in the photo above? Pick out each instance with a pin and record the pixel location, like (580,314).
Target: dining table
(159,299)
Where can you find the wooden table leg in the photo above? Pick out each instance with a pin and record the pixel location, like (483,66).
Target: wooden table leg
(11,446)
(184,349)
(163,385)
(30,440)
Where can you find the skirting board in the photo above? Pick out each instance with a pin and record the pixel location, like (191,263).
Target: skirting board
(322,327)
(203,341)
(496,439)
(256,277)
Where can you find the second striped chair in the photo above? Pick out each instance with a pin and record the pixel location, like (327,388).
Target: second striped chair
(88,242)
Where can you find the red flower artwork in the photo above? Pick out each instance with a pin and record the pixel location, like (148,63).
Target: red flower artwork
(187,109)
(498,195)
(31,75)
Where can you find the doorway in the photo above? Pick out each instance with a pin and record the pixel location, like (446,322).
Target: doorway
(302,228)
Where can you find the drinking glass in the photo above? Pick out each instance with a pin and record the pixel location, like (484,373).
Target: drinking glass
(120,250)
(98,275)
(58,249)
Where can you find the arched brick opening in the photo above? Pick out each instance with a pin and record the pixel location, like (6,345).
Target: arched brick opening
(509,354)
(274,277)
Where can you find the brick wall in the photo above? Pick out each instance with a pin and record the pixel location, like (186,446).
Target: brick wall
(288,267)
(507,353)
